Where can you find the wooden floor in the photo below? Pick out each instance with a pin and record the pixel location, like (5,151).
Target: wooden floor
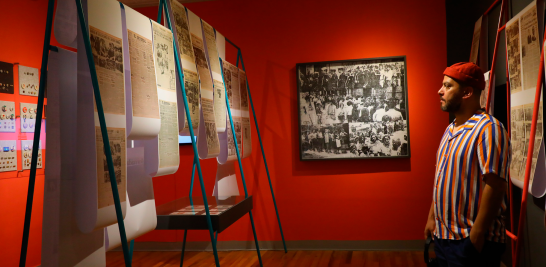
(274,258)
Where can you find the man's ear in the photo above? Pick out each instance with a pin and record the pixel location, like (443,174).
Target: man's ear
(468,92)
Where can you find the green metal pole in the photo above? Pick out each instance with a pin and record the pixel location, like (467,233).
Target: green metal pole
(203,191)
(104,131)
(240,164)
(239,54)
(36,141)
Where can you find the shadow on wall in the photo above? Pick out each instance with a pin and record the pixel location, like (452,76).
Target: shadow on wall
(332,167)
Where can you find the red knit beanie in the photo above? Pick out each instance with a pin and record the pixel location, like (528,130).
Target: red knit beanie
(468,73)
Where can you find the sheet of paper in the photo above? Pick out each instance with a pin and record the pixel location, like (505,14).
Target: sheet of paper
(94,206)
(216,72)
(108,56)
(118,147)
(514,55)
(182,31)
(213,145)
(29,80)
(247,141)
(167,139)
(483,96)
(231,77)
(8,155)
(26,154)
(144,90)
(6,78)
(7,117)
(164,58)
(476,41)
(28,114)
(65,25)
(243,90)
(201,62)
(530,48)
(168,135)
(523,43)
(187,59)
(191,84)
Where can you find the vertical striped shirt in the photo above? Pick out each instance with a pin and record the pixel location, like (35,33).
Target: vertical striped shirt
(481,146)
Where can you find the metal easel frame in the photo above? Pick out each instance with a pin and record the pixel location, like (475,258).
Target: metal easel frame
(517,239)
(107,150)
(163,7)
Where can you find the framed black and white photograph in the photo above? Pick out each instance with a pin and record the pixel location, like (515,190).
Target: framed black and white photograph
(353,109)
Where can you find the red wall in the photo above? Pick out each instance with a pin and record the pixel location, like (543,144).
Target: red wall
(326,200)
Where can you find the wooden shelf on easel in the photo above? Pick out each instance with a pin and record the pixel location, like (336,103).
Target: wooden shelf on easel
(181,214)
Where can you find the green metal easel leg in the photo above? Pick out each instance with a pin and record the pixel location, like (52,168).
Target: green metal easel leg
(192,176)
(183,247)
(36,141)
(181,78)
(102,121)
(239,54)
(131,247)
(240,165)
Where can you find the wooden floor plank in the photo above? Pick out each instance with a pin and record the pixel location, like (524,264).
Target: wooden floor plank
(272,258)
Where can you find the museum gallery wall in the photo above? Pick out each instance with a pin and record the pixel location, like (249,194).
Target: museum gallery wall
(271,47)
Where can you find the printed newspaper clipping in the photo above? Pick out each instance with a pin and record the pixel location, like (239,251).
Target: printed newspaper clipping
(116,136)
(183,31)
(108,57)
(213,144)
(168,135)
(191,83)
(144,90)
(164,58)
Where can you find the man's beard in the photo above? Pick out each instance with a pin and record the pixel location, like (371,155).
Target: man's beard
(451,107)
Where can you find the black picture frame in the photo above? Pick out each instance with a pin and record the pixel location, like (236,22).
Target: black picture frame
(357,91)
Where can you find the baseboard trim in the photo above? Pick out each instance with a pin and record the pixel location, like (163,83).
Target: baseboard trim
(387,245)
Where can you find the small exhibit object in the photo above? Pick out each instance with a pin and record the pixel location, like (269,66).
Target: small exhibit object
(29,80)
(28,117)
(8,155)
(26,154)
(353,109)
(7,117)
(6,78)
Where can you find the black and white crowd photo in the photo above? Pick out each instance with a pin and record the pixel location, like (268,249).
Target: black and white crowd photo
(353,109)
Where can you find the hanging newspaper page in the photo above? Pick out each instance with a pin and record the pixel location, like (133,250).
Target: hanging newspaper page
(247,144)
(523,66)
(95,209)
(219,90)
(231,77)
(208,144)
(476,41)
(483,96)
(143,120)
(187,59)
(166,87)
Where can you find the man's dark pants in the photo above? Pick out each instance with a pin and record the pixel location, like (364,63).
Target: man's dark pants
(462,253)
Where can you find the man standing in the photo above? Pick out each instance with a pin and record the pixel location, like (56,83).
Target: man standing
(472,166)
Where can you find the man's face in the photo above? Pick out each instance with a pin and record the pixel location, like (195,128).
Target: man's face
(450,95)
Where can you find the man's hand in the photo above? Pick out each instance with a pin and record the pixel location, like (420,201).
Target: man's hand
(430,227)
(492,195)
(478,240)
(431,222)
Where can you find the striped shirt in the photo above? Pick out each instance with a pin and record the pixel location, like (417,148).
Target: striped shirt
(481,146)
